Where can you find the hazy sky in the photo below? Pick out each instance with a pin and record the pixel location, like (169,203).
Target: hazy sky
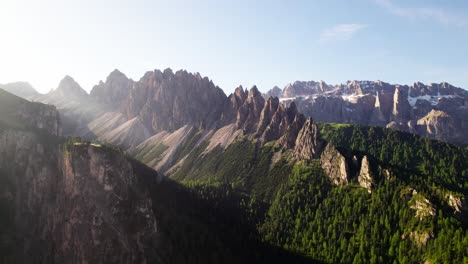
(235,42)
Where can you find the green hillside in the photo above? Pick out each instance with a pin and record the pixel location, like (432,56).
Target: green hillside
(407,218)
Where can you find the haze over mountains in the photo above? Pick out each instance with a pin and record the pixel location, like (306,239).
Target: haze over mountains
(166,101)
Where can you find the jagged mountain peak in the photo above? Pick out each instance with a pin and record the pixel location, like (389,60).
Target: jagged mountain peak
(114,91)
(116,73)
(253,92)
(68,87)
(168,72)
(239,91)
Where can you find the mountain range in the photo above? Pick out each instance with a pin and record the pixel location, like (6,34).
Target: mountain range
(169,169)
(438,111)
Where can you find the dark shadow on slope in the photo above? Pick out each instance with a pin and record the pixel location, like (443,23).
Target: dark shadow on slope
(197,229)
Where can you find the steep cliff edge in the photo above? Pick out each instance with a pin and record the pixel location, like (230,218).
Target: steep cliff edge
(18,113)
(73,202)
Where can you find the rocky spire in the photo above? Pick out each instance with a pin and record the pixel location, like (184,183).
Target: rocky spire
(309,144)
(401,107)
(248,114)
(270,108)
(365,176)
(334,165)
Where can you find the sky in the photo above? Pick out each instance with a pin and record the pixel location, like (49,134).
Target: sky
(262,42)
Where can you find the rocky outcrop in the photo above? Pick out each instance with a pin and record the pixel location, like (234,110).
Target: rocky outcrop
(422,207)
(238,98)
(309,144)
(269,110)
(457,203)
(288,139)
(334,165)
(365,176)
(378,116)
(282,123)
(439,125)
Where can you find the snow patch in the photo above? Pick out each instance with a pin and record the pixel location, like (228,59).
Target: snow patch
(434,100)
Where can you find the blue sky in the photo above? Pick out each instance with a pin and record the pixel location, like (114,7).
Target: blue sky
(260,42)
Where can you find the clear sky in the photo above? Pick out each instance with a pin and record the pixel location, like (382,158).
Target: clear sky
(262,42)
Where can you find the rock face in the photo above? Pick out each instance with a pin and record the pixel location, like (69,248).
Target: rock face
(422,207)
(114,91)
(458,203)
(309,144)
(20,113)
(41,116)
(81,203)
(401,107)
(365,176)
(101,186)
(237,99)
(285,123)
(168,101)
(334,165)
(249,112)
(266,117)
(440,125)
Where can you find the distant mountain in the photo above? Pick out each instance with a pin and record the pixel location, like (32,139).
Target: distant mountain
(402,107)
(21,89)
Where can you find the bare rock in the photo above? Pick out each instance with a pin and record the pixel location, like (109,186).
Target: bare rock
(365,175)
(309,144)
(401,107)
(249,113)
(334,165)
(114,91)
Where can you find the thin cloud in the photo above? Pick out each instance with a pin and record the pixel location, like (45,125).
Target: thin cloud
(341,32)
(437,14)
